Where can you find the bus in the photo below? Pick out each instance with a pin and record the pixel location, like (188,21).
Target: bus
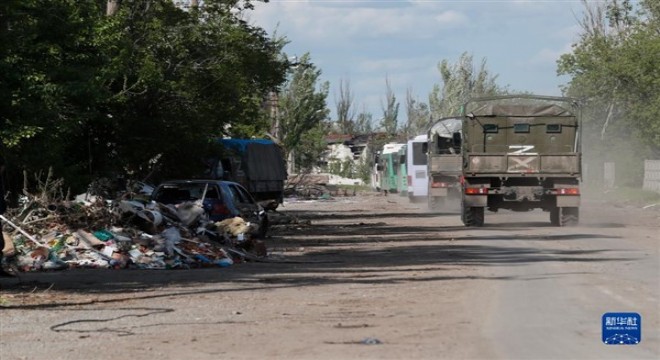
(402,174)
(416,168)
(388,171)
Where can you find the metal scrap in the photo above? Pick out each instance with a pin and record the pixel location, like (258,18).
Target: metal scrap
(49,232)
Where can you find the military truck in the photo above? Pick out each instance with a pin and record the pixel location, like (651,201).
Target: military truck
(521,152)
(444,161)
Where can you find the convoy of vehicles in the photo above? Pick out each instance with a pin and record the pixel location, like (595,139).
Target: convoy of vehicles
(416,168)
(515,152)
(521,152)
(444,161)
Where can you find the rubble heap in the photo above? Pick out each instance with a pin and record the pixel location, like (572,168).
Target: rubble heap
(47,233)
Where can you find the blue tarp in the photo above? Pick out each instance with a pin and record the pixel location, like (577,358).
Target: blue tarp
(242,144)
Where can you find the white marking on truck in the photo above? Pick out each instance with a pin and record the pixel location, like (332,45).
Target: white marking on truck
(522,149)
(523,162)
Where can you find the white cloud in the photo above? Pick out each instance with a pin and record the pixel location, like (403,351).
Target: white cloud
(550,56)
(322,23)
(366,41)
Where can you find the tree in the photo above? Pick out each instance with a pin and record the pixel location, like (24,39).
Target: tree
(344,108)
(94,95)
(302,112)
(598,84)
(179,79)
(389,122)
(363,123)
(49,87)
(460,82)
(614,71)
(418,114)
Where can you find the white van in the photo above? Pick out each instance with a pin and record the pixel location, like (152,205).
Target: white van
(418,180)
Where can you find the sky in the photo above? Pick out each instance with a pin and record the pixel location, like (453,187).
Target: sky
(366,42)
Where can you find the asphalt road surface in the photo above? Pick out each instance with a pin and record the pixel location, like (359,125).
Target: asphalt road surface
(370,277)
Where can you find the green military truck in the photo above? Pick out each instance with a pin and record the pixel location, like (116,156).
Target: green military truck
(521,152)
(444,168)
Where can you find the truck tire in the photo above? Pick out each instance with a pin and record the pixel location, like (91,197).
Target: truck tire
(473,216)
(569,216)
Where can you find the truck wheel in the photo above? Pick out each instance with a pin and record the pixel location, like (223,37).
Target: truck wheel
(569,216)
(554,216)
(473,216)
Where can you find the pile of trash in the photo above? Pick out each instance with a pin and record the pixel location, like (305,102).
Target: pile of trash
(90,232)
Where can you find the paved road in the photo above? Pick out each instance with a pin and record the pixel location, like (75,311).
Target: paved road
(561,282)
(369,277)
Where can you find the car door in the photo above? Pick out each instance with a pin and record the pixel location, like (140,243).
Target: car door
(244,202)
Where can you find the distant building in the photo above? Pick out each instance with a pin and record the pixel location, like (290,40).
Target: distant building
(345,149)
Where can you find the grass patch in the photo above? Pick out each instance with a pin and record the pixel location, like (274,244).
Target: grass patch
(353,187)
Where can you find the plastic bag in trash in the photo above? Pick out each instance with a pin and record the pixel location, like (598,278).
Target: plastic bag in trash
(172,237)
(190,212)
(130,206)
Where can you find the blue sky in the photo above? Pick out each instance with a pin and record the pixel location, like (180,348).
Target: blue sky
(365,42)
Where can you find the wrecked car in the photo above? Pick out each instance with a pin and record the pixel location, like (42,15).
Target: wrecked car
(220,200)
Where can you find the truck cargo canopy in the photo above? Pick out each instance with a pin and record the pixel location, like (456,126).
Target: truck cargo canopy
(520,110)
(263,159)
(446,128)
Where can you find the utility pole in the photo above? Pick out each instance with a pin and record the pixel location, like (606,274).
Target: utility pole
(273,104)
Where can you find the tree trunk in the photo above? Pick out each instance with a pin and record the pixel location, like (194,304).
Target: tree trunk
(607,120)
(291,162)
(112,7)
(194,4)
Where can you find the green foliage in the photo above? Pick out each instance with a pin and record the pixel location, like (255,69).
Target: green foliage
(363,169)
(460,82)
(614,70)
(344,108)
(303,110)
(389,122)
(363,124)
(345,168)
(311,147)
(93,95)
(418,116)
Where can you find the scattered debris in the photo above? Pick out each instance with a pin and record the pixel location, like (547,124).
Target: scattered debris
(49,232)
(315,186)
(371,341)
